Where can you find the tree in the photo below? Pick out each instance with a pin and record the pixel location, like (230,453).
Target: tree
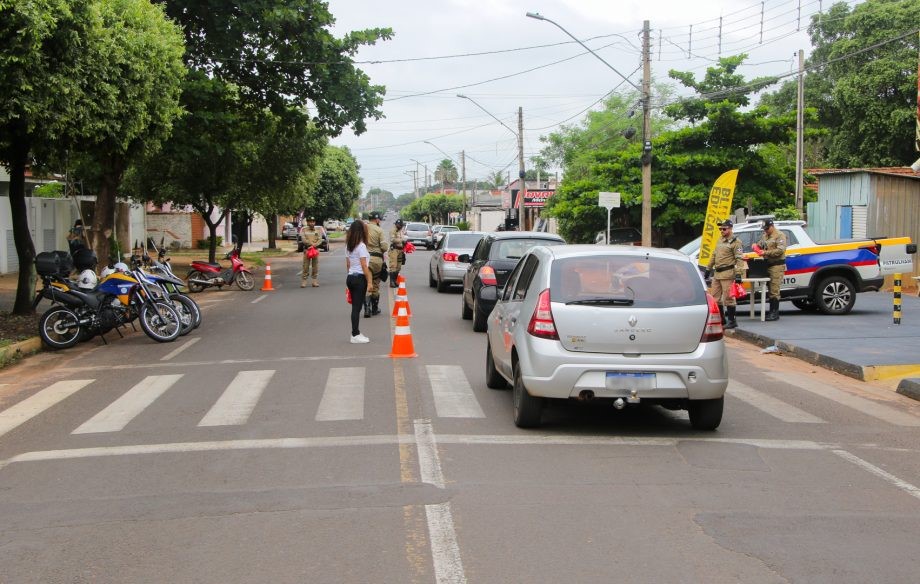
(861,83)
(380,198)
(719,133)
(338,185)
(445,173)
(433,207)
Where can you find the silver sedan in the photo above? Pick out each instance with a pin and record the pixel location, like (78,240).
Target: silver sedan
(618,324)
(444,268)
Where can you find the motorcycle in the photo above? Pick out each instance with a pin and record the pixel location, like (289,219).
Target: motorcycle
(205,274)
(159,273)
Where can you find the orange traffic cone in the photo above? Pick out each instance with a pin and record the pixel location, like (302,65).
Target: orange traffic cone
(402,337)
(267,286)
(402,299)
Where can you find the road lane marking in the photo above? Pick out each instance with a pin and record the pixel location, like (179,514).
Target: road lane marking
(259,299)
(770,405)
(445,552)
(222,362)
(184,346)
(121,411)
(236,403)
(863,405)
(343,398)
(901,484)
(30,407)
(453,396)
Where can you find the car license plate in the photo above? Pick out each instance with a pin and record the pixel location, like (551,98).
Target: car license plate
(631,380)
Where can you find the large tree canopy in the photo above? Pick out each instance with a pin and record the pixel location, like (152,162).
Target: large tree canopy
(337,187)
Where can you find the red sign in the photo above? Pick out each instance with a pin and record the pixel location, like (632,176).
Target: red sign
(533,198)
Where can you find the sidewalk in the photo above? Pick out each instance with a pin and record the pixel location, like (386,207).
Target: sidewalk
(864,344)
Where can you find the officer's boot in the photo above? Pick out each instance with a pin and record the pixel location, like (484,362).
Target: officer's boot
(375,305)
(367,307)
(393,276)
(730,317)
(774,310)
(722,314)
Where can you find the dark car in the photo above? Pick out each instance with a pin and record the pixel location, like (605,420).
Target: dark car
(492,260)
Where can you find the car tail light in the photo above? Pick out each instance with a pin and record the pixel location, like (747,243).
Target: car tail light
(449,256)
(713,330)
(541,323)
(487,276)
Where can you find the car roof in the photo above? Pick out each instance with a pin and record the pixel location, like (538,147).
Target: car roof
(497,235)
(587,249)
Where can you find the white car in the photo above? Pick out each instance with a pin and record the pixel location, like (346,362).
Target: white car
(608,323)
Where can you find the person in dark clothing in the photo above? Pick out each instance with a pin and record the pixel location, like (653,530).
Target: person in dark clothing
(357,259)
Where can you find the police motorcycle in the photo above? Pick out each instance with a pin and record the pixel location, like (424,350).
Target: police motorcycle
(159,273)
(78,314)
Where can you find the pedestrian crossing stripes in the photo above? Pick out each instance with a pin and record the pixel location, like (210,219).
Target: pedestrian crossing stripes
(127,407)
(344,393)
(238,400)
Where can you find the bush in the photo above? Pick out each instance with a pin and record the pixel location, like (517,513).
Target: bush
(206,243)
(463,226)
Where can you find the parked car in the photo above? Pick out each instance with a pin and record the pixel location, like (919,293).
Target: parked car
(332,225)
(621,325)
(445,267)
(437,232)
(324,246)
(620,236)
(489,265)
(289,231)
(417,233)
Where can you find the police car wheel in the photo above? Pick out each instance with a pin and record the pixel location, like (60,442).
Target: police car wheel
(835,295)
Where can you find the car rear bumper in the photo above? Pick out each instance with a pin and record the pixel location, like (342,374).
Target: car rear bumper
(549,370)
(452,273)
(487,297)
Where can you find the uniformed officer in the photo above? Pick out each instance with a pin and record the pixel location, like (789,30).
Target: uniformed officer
(725,265)
(376,247)
(773,250)
(396,257)
(311,238)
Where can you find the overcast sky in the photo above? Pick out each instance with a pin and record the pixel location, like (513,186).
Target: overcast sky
(431,59)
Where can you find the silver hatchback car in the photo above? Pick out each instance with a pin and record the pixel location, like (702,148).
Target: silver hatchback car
(445,267)
(617,324)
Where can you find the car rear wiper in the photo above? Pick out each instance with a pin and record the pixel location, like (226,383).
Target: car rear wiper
(603,301)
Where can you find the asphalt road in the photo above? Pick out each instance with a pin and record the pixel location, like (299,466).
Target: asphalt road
(264,447)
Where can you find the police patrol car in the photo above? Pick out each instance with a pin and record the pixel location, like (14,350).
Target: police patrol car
(823,276)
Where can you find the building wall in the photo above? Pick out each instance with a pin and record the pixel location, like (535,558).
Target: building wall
(172,227)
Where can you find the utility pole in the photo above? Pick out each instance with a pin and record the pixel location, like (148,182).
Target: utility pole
(646,139)
(463,178)
(800,135)
(522,192)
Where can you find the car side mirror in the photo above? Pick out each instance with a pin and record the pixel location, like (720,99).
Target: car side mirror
(464,257)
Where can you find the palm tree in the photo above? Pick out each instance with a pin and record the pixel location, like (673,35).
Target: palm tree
(498,179)
(445,173)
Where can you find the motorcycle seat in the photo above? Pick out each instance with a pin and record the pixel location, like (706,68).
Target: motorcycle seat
(216,266)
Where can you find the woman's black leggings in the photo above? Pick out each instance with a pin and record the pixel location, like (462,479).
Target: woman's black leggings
(357,285)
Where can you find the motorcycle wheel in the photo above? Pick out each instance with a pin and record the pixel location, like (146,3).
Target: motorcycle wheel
(245,280)
(59,328)
(188,311)
(160,321)
(192,286)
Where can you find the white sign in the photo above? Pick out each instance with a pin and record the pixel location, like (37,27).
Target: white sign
(608,200)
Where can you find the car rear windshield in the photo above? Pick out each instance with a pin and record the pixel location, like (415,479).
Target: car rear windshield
(514,249)
(463,240)
(417,227)
(621,280)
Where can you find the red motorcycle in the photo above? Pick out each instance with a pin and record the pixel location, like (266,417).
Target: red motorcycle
(205,274)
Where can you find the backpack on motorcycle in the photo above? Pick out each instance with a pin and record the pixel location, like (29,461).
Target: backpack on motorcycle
(54,263)
(85,259)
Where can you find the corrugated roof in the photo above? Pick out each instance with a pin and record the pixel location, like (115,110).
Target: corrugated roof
(904,171)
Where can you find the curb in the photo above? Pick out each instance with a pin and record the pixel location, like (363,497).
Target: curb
(11,353)
(842,367)
(910,388)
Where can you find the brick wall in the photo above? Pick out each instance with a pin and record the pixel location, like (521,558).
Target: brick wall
(172,227)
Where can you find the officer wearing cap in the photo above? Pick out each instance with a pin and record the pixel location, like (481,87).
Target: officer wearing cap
(773,250)
(311,238)
(397,257)
(376,247)
(726,264)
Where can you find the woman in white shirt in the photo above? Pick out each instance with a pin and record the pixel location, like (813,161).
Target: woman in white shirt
(359,274)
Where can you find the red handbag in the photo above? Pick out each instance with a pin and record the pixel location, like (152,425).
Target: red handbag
(312,253)
(737,291)
(408,248)
(347,295)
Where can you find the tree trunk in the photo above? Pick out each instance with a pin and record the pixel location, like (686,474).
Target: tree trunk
(100,236)
(22,238)
(272,229)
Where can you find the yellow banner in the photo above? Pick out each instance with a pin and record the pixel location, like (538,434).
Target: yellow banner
(720,207)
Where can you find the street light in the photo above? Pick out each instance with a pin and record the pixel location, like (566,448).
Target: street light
(520,138)
(646,125)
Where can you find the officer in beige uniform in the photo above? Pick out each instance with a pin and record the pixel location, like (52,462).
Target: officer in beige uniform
(396,257)
(773,250)
(376,247)
(311,238)
(726,264)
